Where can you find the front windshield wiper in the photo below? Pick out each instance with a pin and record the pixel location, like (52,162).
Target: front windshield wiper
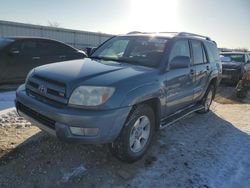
(104,58)
(121,60)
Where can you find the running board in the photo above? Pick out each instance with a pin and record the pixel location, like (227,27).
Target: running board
(165,122)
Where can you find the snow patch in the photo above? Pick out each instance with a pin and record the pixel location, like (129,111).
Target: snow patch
(7,100)
(78,171)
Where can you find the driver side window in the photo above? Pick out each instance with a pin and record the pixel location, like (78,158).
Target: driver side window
(180,48)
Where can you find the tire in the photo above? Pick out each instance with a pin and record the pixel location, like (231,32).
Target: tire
(207,100)
(138,131)
(241,94)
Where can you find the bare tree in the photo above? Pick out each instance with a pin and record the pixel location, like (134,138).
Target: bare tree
(241,49)
(53,24)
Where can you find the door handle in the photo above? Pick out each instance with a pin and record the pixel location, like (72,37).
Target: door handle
(35,58)
(62,56)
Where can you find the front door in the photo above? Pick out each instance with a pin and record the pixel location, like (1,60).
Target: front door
(22,58)
(179,82)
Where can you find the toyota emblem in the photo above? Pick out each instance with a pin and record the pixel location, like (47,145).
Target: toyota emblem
(42,89)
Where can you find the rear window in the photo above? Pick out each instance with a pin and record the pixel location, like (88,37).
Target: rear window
(212,51)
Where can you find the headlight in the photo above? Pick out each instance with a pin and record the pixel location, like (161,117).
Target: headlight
(90,95)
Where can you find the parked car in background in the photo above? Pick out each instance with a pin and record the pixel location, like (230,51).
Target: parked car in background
(234,65)
(18,55)
(129,87)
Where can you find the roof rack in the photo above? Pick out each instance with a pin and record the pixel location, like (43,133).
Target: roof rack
(139,32)
(193,35)
(176,34)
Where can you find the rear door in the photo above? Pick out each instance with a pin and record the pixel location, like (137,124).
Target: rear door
(247,62)
(202,68)
(52,51)
(179,82)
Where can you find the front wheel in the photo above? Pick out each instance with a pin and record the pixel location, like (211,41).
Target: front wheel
(207,100)
(136,135)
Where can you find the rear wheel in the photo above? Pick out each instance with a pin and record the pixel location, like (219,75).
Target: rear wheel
(207,100)
(136,136)
(241,94)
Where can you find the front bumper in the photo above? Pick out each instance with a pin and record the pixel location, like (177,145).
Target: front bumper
(57,121)
(230,74)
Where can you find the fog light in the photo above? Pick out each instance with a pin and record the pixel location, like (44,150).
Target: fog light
(84,131)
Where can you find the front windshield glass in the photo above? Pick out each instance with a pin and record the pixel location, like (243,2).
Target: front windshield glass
(234,57)
(4,42)
(146,51)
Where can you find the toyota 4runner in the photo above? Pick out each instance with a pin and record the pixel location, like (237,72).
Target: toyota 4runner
(129,87)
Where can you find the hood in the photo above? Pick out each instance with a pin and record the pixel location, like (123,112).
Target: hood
(232,65)
(89,71)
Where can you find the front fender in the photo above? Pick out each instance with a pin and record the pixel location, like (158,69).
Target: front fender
(142,93)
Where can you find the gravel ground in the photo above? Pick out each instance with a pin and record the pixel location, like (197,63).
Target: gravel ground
(210,150)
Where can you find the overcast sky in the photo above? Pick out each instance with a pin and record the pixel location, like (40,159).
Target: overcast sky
(226,21)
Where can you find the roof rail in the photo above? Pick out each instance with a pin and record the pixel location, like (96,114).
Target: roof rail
(134,32)
(139,32)
(169,32)
(176,33)
(193,34)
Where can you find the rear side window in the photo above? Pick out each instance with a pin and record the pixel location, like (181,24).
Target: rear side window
(246,58)
(26,47)
(5,42)
(199,53)
(180,48)
(212,51)
(53,48)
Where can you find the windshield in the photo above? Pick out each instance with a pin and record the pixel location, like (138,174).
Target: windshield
(146,51)
(233,57)
(4,42)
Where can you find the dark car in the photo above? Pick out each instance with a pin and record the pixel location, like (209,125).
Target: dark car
(129,87)
(18,55)
(234,65)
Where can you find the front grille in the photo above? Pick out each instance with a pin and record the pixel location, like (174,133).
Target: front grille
(47,90)
(229,71)
(35,115)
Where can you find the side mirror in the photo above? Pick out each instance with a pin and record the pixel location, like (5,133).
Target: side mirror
(14,52)
(90,51)
(180,62)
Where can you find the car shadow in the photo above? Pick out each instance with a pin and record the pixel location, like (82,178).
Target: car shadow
(198,151)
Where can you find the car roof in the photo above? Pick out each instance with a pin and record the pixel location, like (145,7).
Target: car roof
(27,37)
(15,38)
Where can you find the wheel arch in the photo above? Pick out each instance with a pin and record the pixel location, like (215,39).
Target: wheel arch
(214,82)
(155,104)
